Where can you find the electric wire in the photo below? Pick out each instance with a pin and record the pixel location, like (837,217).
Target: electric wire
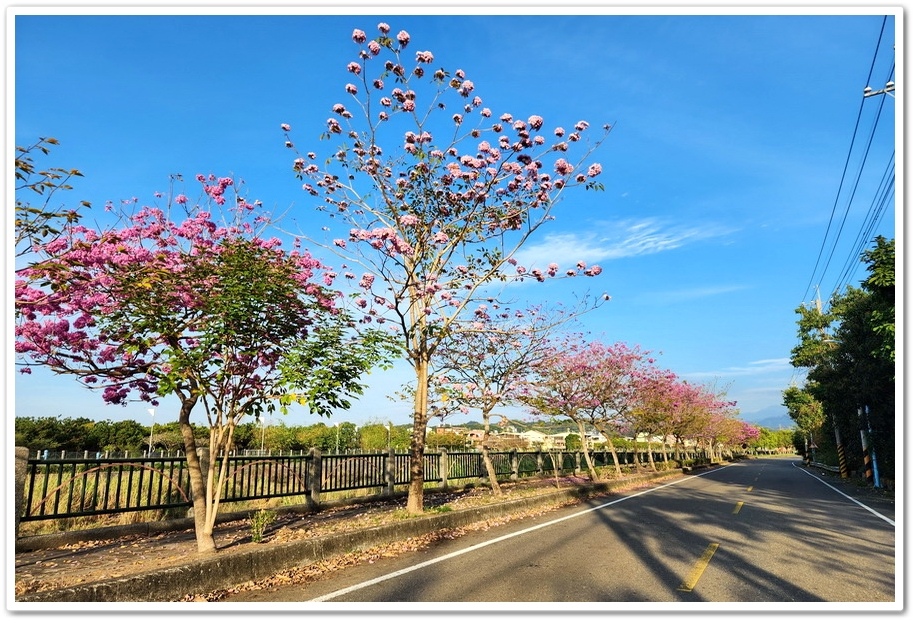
(883,197)
(879,207)
(855,188)
(846,165)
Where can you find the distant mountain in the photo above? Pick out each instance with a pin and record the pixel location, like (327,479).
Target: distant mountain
(774,418)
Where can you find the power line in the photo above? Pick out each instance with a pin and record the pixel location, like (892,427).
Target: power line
(855,188)
(846,165)
(883,197)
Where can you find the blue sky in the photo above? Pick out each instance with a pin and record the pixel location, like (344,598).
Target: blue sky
(724,174)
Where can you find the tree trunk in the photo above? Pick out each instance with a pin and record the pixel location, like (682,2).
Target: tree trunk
(488,463)
(588,459)
(636,460)
(418,438)
(220,445)
(649,452)
(203,530)
(610,445)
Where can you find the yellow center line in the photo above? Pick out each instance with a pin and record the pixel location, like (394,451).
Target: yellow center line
(737,508)
(698,568)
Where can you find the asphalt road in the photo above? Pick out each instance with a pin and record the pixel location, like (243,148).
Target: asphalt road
(760,531)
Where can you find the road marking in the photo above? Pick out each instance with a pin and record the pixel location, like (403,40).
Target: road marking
(384,578)
(737,508)
(870,510)
(698,568)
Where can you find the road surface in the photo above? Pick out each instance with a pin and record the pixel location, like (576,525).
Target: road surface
(763,530)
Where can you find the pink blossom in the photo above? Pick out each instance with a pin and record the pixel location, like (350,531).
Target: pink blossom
(374,47)
(284,127)
(562,167)
(383,28)
(366,281)
(354,68)
(535,122)
(408,106)
(465,88)
(486,112)
(403,38)
(358,35)
(351,89)
(594,170)
(581,126)
(424,57)
(181,199)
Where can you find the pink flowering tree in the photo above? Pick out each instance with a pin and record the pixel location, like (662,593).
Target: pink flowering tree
(573,381)
(190,300)
(712,422)
(652,415)
(485,359)
(435,194)
(615,370)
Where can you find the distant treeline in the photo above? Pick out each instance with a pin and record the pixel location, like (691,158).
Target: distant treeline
(82,434)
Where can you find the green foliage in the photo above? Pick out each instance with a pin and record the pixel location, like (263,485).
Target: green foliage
(323,372)
(880,283)
(804,408)
(38,224)
(573,442)
(849,356)
(449,439)
(260,521)
(58,434)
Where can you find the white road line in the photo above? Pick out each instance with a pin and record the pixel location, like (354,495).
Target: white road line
(433,561)
(870,510)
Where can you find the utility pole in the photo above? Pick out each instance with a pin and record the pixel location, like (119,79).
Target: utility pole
(152,415)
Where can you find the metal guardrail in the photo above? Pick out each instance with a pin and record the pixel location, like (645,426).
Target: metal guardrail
(65,488)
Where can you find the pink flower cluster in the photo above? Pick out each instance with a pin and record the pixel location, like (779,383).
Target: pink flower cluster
(382,238)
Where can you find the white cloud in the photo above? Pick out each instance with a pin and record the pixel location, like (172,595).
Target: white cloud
(613,240)
(760,367)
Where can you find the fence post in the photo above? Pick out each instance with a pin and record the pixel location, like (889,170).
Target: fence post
(578,458)
(390,464)
(513,458)
(20,470)
(539,460)
(443,468)
(313,497)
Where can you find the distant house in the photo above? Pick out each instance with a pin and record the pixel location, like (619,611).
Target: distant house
(538,440)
